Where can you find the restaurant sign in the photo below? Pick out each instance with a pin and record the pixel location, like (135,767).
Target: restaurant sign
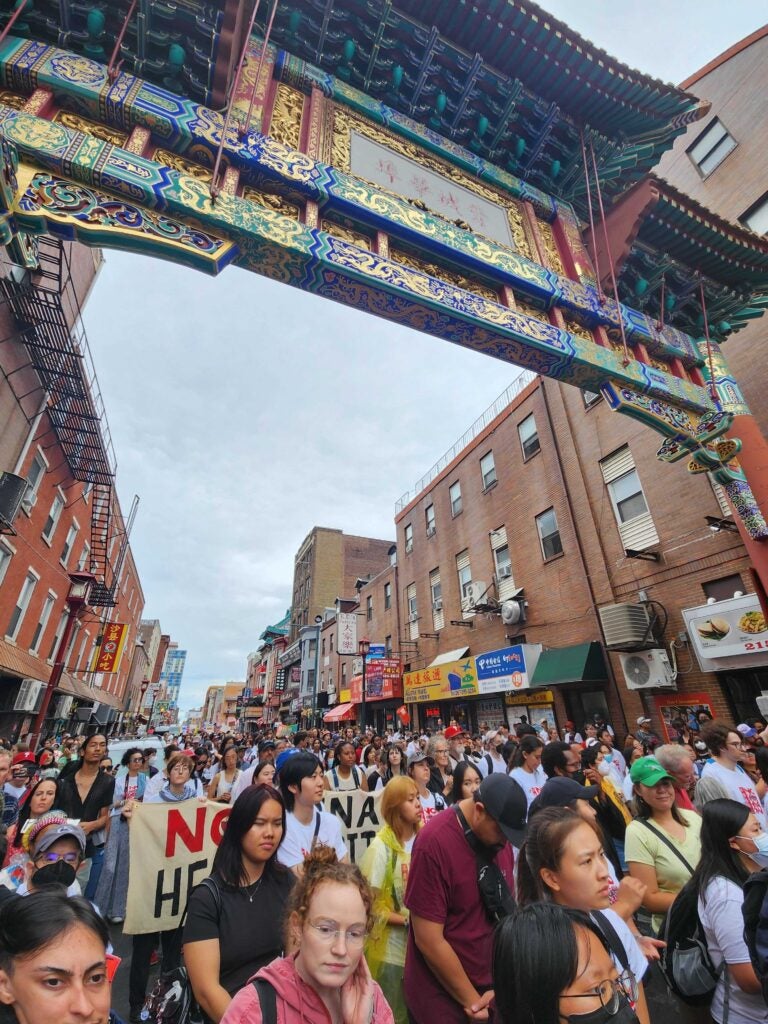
(383,681)
(454,680)
(728,634)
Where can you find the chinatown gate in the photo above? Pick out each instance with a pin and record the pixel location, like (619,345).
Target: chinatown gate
(429,163)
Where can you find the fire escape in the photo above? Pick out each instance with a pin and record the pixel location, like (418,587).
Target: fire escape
(58,352)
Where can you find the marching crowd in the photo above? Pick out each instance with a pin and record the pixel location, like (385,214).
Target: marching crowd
(518,875)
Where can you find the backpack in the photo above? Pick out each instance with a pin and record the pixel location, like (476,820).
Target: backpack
(755,911)
(685,962)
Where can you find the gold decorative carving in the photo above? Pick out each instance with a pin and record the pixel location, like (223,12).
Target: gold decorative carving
(530,310)
(88,127)
(345,122)
(272,202)
(443,274)
(180,163)
(285,123)
(138,140)
(12,99)
(348,233)
(574,327)
(550,246)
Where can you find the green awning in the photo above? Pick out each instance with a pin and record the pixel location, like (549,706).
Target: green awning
(582,663)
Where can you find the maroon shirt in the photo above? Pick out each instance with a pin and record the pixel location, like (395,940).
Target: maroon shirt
(442,888)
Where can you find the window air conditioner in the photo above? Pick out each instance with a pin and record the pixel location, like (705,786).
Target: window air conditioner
(644,670)
(431,531)
(438,604)
(505,572)
(409,547)
(413,618)
(29,691)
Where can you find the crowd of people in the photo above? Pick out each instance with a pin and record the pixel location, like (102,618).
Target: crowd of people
(518,874)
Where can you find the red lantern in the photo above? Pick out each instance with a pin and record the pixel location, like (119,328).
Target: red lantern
(402,714)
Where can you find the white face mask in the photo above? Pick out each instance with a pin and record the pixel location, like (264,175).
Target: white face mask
(760,855)
(604,767)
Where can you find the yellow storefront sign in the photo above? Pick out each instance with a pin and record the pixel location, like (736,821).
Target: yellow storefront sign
(453,681)
(532,698)
(345,697)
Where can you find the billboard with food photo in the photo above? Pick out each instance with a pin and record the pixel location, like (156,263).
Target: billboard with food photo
(728,629)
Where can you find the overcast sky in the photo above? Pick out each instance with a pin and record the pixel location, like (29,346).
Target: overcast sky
(245,412)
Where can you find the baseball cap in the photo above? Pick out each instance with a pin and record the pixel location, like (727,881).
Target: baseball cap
(266,745)
(418,757)
(48,832)
(283,756)
(24,757)
(648,771)
(745,730)
(560,791)
(453,731)
(643,719)
(506,802)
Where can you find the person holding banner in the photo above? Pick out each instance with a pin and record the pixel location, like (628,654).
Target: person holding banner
(385,864)
(306,826)
(231,934)
(327,978)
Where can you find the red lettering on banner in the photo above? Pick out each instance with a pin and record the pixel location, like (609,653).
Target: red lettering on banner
(217,825)
(751,800)
(178,828)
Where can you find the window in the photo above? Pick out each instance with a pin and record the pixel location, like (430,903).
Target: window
(488,471)
(68,664)
(549,534)
(756,217)
(22,603)
(369,608)
(635,522)
(436,597)
(502,562)
(464,572)
(35,474)
(429,517)
(330,645)
(53,518)
(81,653)
(58,635)
(454,493)
(724,588)
(529,437)
(413,611)
(408,539)
(711,147)
(6,554)
(393,555)
(387,596)
(37,636)
(68,543)
(388,645)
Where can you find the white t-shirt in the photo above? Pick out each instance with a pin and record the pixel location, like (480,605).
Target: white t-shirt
(431,804)
(338,782)
(531,782)
(497,764)
(723,924)
(243,781)
(637,962)
(739,786)
(297,842)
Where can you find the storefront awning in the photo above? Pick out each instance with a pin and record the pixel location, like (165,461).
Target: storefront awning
(443,659)
(582,663)
(341,713)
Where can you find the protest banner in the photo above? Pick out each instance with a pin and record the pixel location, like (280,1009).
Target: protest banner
(360,816)
(171,850)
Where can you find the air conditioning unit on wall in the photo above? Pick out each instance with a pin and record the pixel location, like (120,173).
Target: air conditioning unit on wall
(29,691)
(626,627)
(644,670)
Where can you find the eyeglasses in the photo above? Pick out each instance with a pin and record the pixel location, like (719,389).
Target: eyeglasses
(107,767)
(137,760)
(329,931)
(610,992)
(737,745)
(53,858)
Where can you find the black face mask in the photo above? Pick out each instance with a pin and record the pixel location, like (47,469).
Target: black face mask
(624,1015)
(58,873)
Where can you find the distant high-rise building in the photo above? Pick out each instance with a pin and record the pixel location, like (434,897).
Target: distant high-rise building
(173,670)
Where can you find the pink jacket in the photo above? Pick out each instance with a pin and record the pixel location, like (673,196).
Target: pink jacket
(297,1002)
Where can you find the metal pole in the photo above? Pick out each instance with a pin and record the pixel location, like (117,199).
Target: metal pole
(56,672)
(314,678)
(362,695)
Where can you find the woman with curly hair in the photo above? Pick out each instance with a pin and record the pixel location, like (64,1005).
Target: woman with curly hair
(330,916)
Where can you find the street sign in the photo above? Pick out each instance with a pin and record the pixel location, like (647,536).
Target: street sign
(376,651)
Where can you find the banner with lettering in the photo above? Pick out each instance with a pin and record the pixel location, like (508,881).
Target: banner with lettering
(360,817)
(171,850)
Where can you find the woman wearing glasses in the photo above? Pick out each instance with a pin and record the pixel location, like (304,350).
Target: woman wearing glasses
(563,861)
(552,964)
(112,890)
(327,976)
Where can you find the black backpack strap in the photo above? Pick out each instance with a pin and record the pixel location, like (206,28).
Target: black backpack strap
(489,762)
(318,821)
(667,842)
(611,937)
(267,1000)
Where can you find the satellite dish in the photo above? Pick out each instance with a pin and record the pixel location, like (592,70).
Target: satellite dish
(512,613)
(637,670)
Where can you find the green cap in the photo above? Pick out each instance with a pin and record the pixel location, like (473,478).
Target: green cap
(648,771)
